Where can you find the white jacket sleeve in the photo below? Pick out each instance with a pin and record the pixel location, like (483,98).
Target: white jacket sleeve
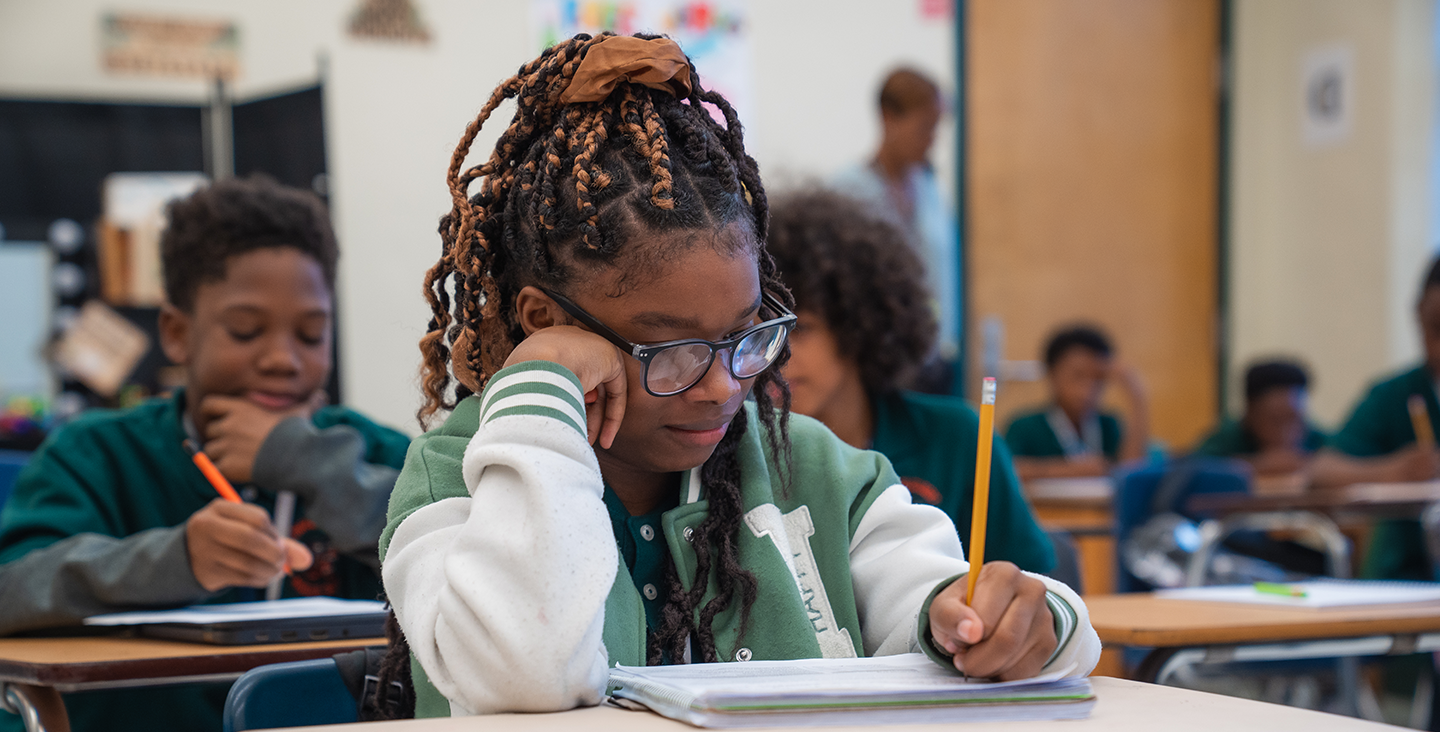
(502,595)
(901,551)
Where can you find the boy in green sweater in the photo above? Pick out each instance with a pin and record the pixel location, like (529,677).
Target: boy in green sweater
(1274,435)
(1378,444)
(111,514)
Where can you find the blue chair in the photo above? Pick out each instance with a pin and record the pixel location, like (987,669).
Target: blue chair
(11,463)
(1135,499)
(298,694)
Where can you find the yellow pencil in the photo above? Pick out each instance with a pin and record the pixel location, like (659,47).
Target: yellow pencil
(980,513)
(1420,420)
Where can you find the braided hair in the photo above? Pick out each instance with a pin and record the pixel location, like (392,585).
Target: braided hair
(574,187)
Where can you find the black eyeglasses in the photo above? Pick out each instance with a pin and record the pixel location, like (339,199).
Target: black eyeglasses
(672,367)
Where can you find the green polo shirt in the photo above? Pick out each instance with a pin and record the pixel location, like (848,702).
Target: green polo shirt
(1379,426)
(931,442)
(1029,435)
(1233,439)
(642,547)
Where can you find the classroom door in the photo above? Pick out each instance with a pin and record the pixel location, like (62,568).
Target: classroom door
(1091,177)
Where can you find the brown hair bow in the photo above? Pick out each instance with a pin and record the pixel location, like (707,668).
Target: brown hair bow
(657,63)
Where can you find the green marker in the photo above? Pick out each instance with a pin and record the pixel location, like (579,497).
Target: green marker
(1273,588)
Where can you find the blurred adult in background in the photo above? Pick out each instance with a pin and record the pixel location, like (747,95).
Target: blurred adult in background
(865,326)
(900,183)
(1275,434)
(1072,437)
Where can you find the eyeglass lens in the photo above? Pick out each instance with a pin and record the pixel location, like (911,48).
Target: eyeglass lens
(676,369)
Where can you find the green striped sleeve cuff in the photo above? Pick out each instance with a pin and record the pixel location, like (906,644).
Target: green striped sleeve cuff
(1065,621)
(927,641)
(536,388)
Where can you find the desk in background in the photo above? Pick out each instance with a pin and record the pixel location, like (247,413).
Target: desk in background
(1123,706)
(1183,632)
(1373,500)
(1081,507)
(41,668)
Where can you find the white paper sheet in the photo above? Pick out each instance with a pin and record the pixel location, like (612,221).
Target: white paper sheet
(1319,594)
(240,612)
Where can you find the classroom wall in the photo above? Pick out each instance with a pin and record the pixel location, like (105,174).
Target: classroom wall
(1328,243)
(395,111)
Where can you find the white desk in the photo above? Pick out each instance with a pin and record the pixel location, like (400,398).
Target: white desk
(1123,706)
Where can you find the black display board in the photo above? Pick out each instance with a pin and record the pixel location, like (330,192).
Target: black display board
(55,155)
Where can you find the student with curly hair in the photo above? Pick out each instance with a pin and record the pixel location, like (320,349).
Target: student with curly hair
(111,514)
(863,326)
(603,491)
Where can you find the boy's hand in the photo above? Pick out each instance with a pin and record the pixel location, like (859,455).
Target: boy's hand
(1128,377)
(598,364)
(235,545)
(1414,463)
(235,428)
(1007,634)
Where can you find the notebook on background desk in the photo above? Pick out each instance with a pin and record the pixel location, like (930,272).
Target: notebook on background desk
(291,620)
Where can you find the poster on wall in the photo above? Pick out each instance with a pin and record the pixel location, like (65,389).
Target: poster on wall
(1328,89)
(159,45)
(714,33)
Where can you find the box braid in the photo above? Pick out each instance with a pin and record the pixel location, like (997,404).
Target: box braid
(587,185)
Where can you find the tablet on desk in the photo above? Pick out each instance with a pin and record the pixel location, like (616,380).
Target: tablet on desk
(291,620)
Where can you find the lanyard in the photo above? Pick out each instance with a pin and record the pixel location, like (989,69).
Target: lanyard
(1088,442)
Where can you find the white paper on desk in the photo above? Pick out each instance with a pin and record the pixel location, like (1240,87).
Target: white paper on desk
(858,691)
(240,612)
(1319,594)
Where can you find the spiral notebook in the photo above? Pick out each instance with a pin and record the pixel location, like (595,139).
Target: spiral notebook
(908,688)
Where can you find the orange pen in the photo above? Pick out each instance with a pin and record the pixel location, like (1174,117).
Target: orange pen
(216,478)
(212,473)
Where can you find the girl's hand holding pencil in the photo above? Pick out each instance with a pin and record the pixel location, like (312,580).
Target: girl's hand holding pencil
(1007,633)
(995,622)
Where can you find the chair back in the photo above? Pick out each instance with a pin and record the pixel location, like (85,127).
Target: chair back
(298,694)
(1067,560)
(1135,498)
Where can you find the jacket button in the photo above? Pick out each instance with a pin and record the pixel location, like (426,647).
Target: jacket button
(689,533)
(743,654)
(650,592)
(647,532)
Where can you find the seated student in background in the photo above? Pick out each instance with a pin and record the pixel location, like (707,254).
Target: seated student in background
(1072,437)
(864,325)
(1378,444)
(111,514)
(1274,435)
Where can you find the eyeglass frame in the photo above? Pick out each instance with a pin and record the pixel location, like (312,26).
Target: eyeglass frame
(645,354)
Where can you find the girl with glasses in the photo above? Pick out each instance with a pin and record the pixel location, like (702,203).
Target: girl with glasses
(618,480)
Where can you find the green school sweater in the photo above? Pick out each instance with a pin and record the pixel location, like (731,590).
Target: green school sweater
(1379,426)
(95,524)
(1233,439)
(1029,435)
(931,442)
(798,612)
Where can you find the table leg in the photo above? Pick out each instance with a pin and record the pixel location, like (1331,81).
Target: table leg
(39,707)
(1154,661)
